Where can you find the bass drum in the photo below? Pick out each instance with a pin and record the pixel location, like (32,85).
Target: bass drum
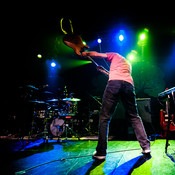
(57,127)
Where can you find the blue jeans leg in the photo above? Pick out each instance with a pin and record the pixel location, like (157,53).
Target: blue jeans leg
(128,98)
(108,106)
(114,90)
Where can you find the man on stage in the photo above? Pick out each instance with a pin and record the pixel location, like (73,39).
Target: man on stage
(120,86)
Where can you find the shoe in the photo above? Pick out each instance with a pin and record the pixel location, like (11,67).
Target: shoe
(98,157)
(146,156)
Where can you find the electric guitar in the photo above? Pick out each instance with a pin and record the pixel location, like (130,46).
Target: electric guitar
(165,119)
(75,42)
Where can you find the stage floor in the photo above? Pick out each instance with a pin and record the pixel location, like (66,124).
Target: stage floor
(75,157)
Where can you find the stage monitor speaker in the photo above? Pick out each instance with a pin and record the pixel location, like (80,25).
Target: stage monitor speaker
(144,109)
(120,123)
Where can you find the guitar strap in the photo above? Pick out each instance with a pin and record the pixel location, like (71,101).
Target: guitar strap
(61,24)
(75,42)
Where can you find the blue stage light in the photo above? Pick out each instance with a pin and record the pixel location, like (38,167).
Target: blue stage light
(53,64)
(99,40)
(121,37)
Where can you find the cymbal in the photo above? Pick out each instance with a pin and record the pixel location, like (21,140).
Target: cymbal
(71,99)
(54,106)
(32,87)
(52,100)
(35,101)
(46,92)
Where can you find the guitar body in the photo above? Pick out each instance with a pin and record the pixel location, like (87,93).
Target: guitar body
(75,42)
(164,123)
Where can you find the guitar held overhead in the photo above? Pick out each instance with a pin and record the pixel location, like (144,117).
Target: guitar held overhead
(75,42)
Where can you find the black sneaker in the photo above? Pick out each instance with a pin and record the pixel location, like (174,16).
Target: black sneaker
(146,156)
(98,157)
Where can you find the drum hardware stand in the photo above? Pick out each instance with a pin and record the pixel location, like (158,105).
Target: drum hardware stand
(88,125)
(68,129)
(34,132)
(45,134)
(31,132)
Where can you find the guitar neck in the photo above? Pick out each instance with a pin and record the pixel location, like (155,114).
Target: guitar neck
(103,70)
(92,60)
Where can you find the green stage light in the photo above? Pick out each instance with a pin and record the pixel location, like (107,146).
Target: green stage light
(84,42)
(142,36)
(39,56)
(131,56)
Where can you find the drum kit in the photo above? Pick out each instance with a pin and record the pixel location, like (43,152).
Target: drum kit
(53,116)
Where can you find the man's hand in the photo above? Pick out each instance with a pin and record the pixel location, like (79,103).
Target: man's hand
(91,54)
(84,54)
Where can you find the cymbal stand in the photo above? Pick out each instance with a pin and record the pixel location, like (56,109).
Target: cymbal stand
(69,129)
(88,125)
(45,133)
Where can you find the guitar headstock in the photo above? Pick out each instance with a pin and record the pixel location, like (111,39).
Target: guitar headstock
(75,42)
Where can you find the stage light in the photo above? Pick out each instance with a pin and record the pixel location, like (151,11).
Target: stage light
(121,37)
(99,40)
(84,42)
(131,56)
(39,56)
(142,36)
(53,64)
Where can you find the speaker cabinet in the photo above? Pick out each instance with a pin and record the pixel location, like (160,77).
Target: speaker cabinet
(144,109)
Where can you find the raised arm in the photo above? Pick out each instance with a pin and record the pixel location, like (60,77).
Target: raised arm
(99,55)
(94,54)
